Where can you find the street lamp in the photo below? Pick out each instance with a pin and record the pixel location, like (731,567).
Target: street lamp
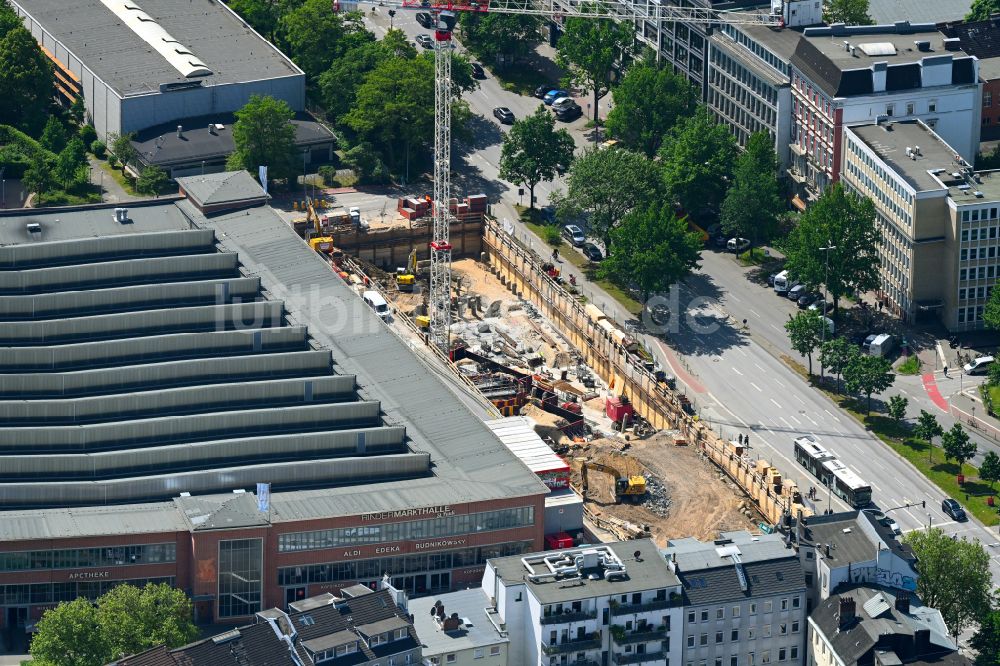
(826,291)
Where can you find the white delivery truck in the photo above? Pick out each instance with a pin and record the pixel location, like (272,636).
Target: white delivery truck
(881,345)
(378,304)
(782,282)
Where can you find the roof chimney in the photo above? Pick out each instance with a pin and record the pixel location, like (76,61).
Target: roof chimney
(903,601)
(211,128)
(847,612)
(951,43)
(847,45)
(180,131)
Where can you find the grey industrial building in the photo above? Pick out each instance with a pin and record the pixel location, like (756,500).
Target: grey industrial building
(156,364)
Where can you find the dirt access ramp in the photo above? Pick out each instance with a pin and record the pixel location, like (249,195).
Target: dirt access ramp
(700,501)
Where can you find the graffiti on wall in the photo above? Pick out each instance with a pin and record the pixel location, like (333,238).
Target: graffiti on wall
(878,576)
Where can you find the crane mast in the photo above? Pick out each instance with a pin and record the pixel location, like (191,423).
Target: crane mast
(439,299)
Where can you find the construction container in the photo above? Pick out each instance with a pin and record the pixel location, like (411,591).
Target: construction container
(558,541)
(618,408)
(422,321)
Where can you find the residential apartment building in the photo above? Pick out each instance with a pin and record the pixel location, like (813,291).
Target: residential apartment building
(457,629)
(843,76)
(938,218)
(614,603)
(850,548)
(361,627)
(745,600)
(982,39)
(866,625)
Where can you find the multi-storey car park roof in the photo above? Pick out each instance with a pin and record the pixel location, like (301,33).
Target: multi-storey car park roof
(145,359)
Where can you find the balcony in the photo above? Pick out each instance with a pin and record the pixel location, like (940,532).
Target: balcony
(643,635)
(643,607)
(590,642)
(635,658)
(569,616)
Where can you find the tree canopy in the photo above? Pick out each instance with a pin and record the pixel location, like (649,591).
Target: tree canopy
(753,205)
(981,10)
(851,12)
(866,375)
(957,445)
(927,427)
(498,36)
(339,84)
(607,184)
(120,146)
(651,250)
(835,354)
(38,176)
(124,621)
(991,313)
(316,36)
(71,163)
(54,136)
(954,576)
(263,135)
(26,84)
(590,48)
(986,640)
(805,332)
(152,180)
(697,156)
(533,151)
(848,222)
(989,470)
(647,103)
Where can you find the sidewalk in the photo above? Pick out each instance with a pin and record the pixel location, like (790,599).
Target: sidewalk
(111,191)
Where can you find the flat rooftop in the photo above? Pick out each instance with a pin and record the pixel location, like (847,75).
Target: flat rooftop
(214,35)
(645,569)
(274,370)
(918,11)
(848,543)
(476,630)
(890,141)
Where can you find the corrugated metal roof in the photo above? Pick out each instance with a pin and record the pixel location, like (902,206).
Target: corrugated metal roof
(518,435)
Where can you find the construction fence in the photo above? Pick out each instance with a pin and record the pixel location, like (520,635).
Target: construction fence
(520,271)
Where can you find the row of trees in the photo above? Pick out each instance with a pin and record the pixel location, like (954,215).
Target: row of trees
(26,80)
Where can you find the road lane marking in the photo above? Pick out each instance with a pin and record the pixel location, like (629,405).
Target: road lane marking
(759,367)
(737,372)
(793,417)
(799,398)
(776,403)
(756,387)
(755,314)
(785,421)
(836,418)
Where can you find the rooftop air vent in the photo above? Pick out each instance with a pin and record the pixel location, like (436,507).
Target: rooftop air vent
(922,45)
(34,228)
(979,195)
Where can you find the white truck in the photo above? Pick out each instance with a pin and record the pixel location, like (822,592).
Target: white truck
(879,345)
(782,282)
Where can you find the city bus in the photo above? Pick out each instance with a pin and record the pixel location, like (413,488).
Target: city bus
(832,473)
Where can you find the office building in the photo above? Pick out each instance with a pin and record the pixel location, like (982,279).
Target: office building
(745,600)
(458,628)
(938,218)
(362,627)
(849,548)
(845,76)
(613,603)
(867,625)
(158,364)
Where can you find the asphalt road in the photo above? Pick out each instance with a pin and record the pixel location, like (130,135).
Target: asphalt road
(735,379)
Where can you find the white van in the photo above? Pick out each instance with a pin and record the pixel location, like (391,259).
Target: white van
(881,345)
(781,282)
(978,365)
(378,304)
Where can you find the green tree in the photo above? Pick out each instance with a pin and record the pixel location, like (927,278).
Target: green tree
(26,84)
(499,37)
(848,222)
(981,10)
(651,250)
(77,110)
(927,428)
(135,619)
(339,84)
(8,18)
(262,15)
(120,146)
(71,164)
(835,354)
(124,621)
(608,184)
(264,135)
(957,445)
(993,374)
(589,50)
(753,205)
(986,640)
(38,176)
(648,102)
(534,151)
(991,313)
(697,156)
(316,36)
(805,331)
(954,577)
(70,635)
(54,136)
(152,180)
(867,375)
(990,469)
(851,12)
(897,408)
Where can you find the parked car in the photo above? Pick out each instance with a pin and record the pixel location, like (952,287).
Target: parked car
(569,113)
(954,509)
(562,103)
(821,307)
(425,19)
(720,241)
(796,292)
(978,365)
(425,41)
(543,90)
(477,71)
(660,314)
(738,244)
(504,115)
(548,214)
(553,95)
(805,300)
(770,279)
(574,235)
(592,252)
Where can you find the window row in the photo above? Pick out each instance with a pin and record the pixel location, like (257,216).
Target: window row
(82,558)
(885,176)
(974,292)
(784,654)
(755,47)
(970,315)
(980,273)
(749,634)
(53,593)
(987,233)
(470,523)
(767,607)
(374,568)
(978,253)
(977,214)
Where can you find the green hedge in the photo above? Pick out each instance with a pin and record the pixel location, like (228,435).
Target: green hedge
(11,136)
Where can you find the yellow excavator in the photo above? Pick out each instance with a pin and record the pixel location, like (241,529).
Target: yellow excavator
(406,280)
(627,488)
